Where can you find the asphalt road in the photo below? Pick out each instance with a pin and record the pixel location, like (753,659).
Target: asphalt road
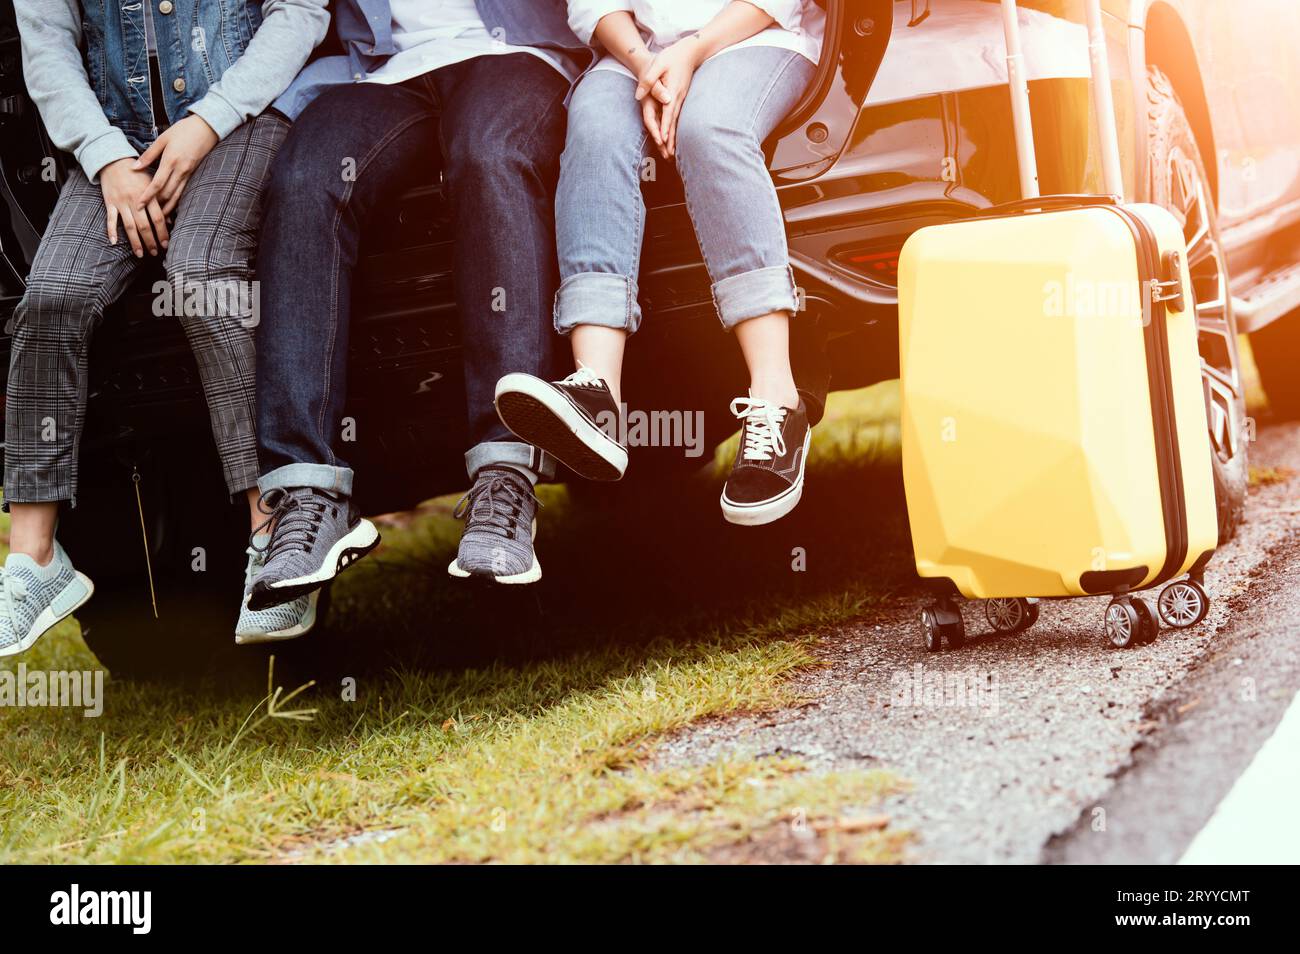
(1049,745)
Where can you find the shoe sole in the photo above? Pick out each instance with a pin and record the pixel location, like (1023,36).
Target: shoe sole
(535,412)
(279,635)
(772,509)
(47,620)
(347,550)
(530,575)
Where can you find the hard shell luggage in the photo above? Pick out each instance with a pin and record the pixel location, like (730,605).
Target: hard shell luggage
(1053,415)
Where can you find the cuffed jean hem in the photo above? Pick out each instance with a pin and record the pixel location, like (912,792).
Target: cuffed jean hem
(597,298)
(337,480)
(753,293)
(538,464)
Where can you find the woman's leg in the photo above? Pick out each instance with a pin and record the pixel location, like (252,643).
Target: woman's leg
(736,101)
(601,349)
(210,261)
(600,222)
(765,343)
(31,530)
(599,226)
(76,274)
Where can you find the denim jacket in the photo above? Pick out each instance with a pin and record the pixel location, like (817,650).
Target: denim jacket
(87,65)
(364,28)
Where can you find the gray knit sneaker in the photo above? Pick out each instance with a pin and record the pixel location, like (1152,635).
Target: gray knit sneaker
(315,535)
(500,514)
(34,598)
(284,621)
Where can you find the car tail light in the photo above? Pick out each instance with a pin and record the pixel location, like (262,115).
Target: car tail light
(877,263)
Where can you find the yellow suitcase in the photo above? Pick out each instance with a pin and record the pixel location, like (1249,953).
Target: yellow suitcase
(1053,414)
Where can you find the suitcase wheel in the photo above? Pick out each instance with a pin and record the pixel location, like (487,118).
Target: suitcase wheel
(936,632)
(1121,624)
(1183,603)
(1010,615)
(1148,620)
(930,626)
(1131,622)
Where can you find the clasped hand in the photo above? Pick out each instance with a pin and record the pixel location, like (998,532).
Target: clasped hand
(662,84)
(141,201)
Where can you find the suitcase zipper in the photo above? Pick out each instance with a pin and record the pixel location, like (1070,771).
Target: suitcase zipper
(1168,457)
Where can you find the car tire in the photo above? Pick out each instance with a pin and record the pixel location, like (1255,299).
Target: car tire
(1178,182)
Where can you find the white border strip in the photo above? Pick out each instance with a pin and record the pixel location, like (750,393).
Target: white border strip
(1257,822)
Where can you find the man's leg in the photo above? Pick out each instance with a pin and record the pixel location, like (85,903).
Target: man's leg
(350,149)
(75,276)
(502,132)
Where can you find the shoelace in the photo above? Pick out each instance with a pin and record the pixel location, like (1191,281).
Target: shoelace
(584,377)
(13,589)
(295,516)
(762,428)
(493,503)
(256,560)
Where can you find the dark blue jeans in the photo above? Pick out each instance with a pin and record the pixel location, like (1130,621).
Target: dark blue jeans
(499,122)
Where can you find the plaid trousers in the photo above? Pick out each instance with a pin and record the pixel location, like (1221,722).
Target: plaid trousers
(76,275)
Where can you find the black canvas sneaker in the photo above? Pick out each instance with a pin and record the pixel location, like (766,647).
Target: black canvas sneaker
(767,475)
(565,418)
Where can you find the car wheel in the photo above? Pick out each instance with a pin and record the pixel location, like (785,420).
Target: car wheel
(1178,182)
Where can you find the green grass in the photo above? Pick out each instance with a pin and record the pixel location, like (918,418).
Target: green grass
(1256,399)
(1263,476)
(490,727)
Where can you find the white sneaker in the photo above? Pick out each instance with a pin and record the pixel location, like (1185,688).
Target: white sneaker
(282,621)
(34,598)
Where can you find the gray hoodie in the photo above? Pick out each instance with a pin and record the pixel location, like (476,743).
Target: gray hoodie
(222,60)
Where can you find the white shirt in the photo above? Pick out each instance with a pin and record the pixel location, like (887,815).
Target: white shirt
(799,24)
(431,34)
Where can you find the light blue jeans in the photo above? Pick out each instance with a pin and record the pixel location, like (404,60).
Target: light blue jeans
(735,102)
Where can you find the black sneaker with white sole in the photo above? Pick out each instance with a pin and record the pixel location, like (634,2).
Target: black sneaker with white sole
(315,535)
(766,478)
(563,418)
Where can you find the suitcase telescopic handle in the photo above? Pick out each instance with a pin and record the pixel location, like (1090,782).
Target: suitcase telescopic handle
(1104,101)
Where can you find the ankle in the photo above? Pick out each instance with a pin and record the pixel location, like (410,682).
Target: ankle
(780,393)
(40,551)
